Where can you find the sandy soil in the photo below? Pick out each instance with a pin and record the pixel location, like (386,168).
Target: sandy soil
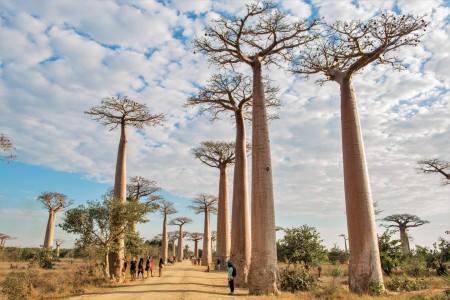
(182,281)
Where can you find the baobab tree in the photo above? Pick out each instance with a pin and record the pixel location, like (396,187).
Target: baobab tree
(429,166)
(166,208)
(403,222)
(231,93)
(140,187)
(54,202)
(4,238)
(58,243)
(180,221)
(122,112)
(345,241)
(6,148)
(206,204)
(260,36)
(172,236)
(220,155)
(195,237)
(345,49)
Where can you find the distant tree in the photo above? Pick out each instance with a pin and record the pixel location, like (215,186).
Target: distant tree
(122,112)
(337,254)
(180,221)
(345,241)
(6,148)
(166,208)
(4,238)
(205,204)
(429,166)
(403,222)
(195,237)
(139,188)
(391,254)
(343,50)
(302,245)
(220,155)
(54,202)
(94,224)
(260,35)
(172,236)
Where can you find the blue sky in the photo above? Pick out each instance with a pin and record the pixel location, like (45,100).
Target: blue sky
(63,57)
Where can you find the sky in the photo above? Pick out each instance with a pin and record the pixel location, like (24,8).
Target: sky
(60,58)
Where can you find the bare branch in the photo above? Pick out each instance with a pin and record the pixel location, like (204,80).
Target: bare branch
(429,166)
(54,201)
(215,154)
(7,147)
(203,203)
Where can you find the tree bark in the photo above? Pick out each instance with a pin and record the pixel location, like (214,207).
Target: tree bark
(165,244)
(240,226)
(404,239)
(57,250)
(120,184)
(223,217)
(180,245)
(50,231)
(206,254)
(173,249)
(364,266)
(196,249)
(263,277)
(106,266)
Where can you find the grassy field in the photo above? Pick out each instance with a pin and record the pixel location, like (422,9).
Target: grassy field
(76,277)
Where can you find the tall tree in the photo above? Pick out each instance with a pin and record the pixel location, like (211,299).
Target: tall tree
(140,187)
(206,204)
(166,208)
(261,35)
(115,112)
(172,236)
(6,148)
(231,93)
(54,202)
(403,222)
(344,49)
(429,166)
(195,237)
(180,221)
(220,155)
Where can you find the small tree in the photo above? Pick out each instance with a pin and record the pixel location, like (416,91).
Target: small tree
(302,245)
(195,237)
(6,148)
(206,204)
(54,202)
(120,112)
(429,166)
(180,221)
(4,238)
(344,49)
(58,243)
(403,222)
(390,252)
(166,208)
(94,224)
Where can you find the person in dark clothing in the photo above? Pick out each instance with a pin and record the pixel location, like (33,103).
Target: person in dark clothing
(231,275)
(124,269)
(161,266)
(141,268)
(149,266)
(133,265)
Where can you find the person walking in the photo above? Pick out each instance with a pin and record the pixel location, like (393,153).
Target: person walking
(124,269)
(161,266)
(141,268)
(149,266)
(133,266)
(231,275)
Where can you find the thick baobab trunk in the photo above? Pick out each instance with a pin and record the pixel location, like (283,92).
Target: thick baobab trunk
(50,231)
(165,244)
(207,253)
(240,225)
(180,246)
(174,249)
(120,184)
(223,217)
(263,277)
(364,267)
(404,239)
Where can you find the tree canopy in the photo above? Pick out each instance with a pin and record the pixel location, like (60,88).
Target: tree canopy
(429,166)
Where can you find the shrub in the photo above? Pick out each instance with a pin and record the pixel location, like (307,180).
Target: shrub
(297,278)
(390,252)
(415,266)
(18,285)
(403,283)
(337,254)
(336,272)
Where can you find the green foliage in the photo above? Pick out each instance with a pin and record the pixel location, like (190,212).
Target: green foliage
(136,246)
(437,258)
(297,278)
(415,265)
(336,271)
(46,259)
(301,245)
(337,254)
(377,288)
(18,285)
(404,283)
(390,252)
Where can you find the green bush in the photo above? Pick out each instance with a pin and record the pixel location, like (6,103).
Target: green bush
(391,253)
(336,272)
(297,278)
(415,266)
(404,283)
(18,285)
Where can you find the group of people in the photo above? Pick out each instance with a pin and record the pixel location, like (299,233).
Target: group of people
(137,268)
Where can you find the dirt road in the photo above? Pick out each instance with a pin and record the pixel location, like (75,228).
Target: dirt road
(183,281)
